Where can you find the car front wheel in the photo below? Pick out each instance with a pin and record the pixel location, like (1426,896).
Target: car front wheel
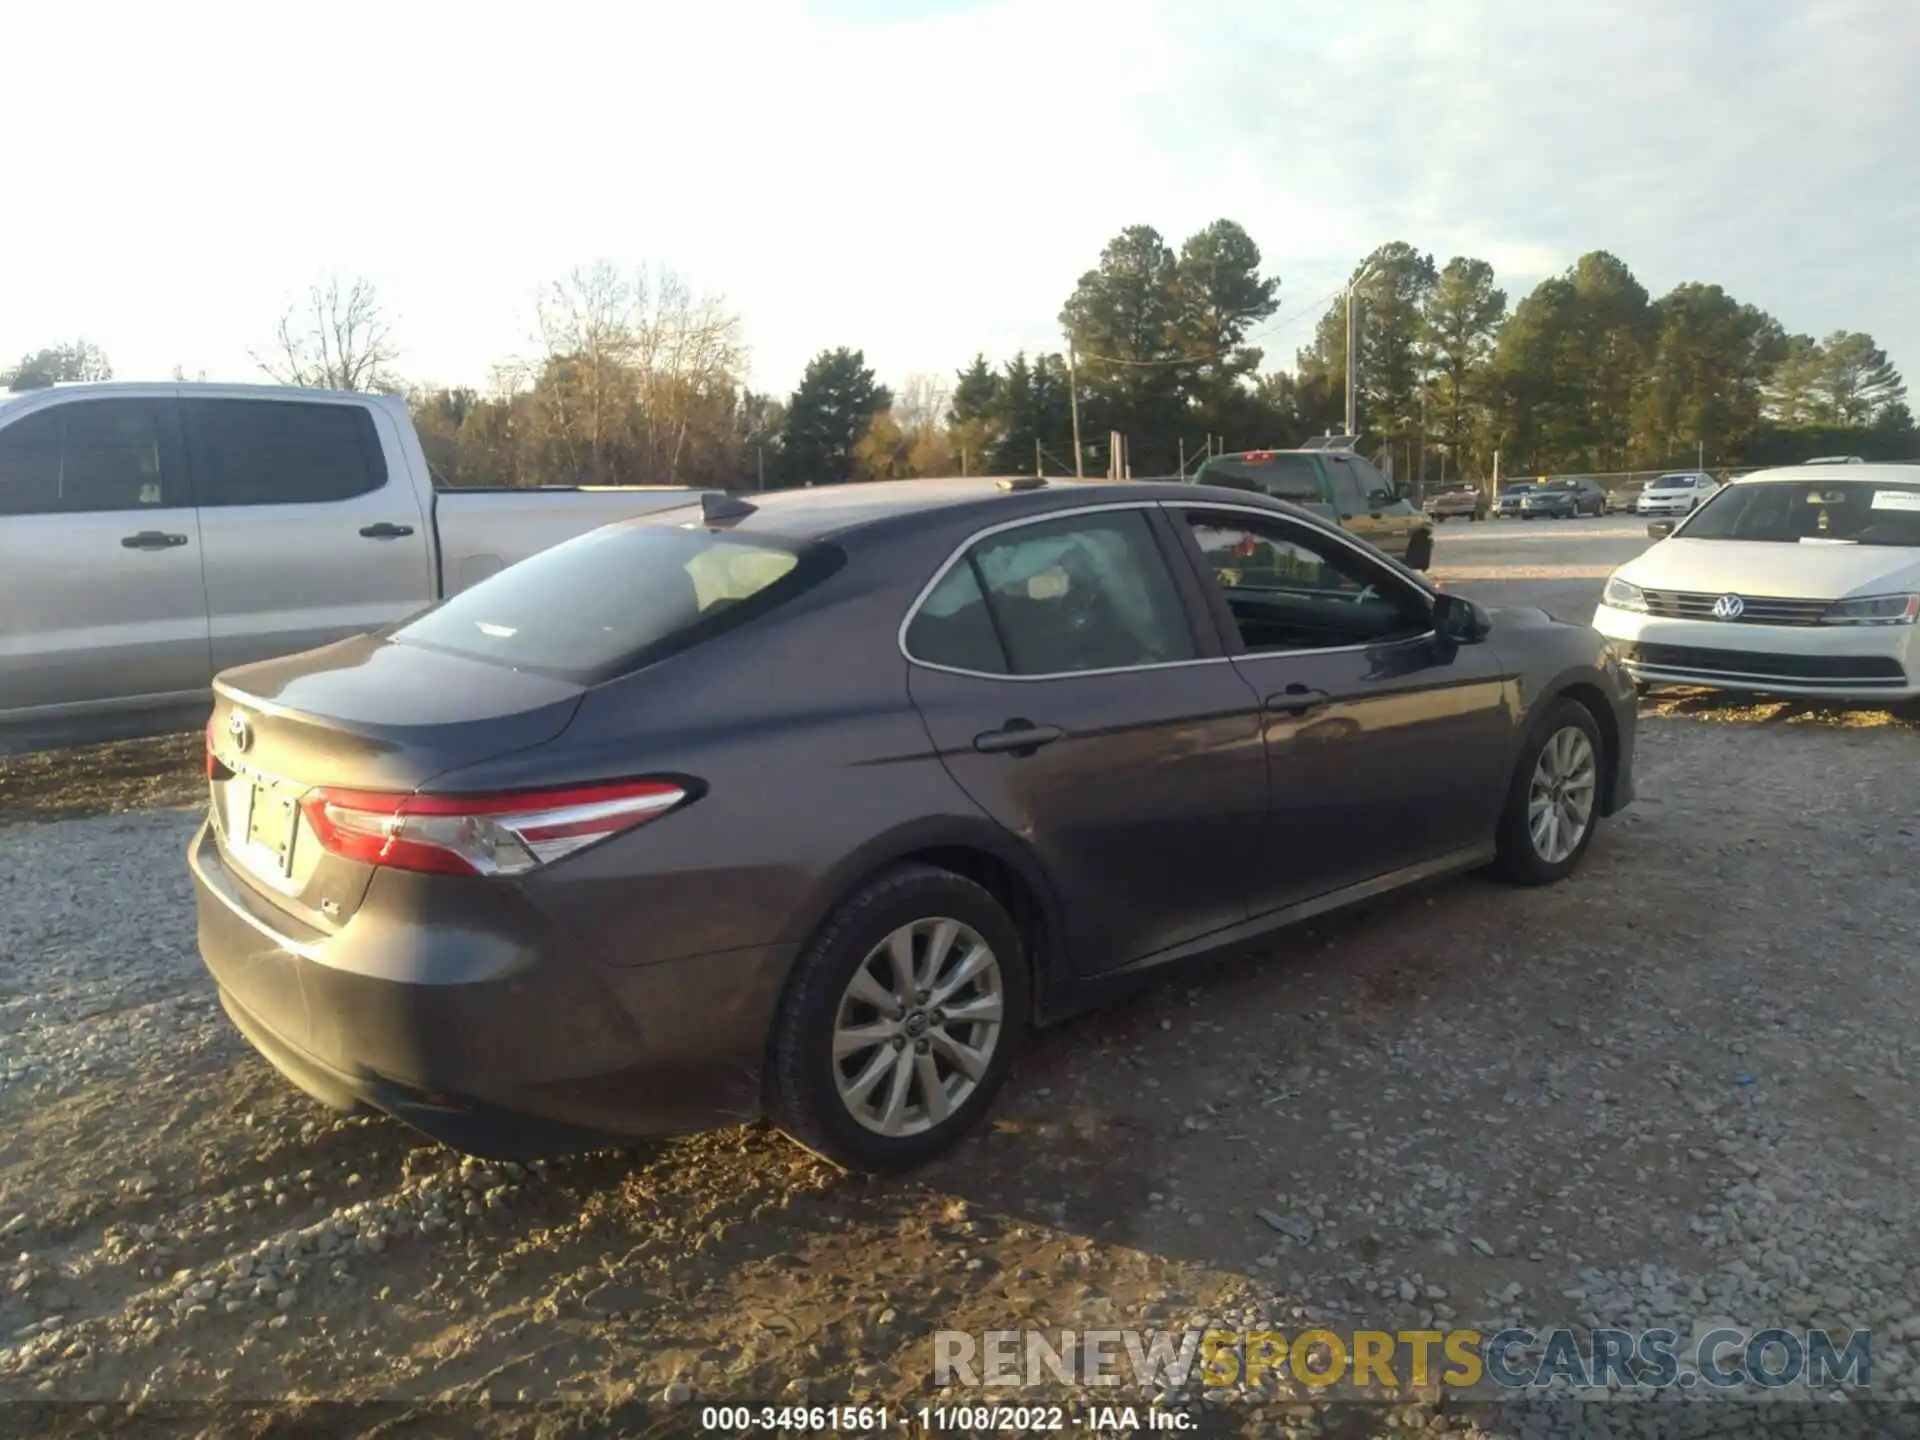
(1553,802)
(900,1021)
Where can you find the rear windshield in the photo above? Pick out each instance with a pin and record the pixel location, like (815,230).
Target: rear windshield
(1287,477)
(1515,489)
(617,598)
(1812,512)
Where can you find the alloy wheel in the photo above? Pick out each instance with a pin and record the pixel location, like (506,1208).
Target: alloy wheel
(1561,794)
(917,1027)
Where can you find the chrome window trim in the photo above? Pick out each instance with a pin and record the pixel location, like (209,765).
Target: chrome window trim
(960,550)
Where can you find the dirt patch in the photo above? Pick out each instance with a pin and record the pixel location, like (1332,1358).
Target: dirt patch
(103,779)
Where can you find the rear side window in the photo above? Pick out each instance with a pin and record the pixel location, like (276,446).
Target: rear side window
(952,626)
(1086,592)
(617,598)
(88,455)
(282,452)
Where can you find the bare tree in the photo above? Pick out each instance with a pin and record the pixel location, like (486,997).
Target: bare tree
(336,340)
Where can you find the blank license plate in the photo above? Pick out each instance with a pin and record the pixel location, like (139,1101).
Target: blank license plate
(270,824)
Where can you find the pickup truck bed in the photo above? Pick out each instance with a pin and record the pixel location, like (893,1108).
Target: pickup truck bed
(154,535)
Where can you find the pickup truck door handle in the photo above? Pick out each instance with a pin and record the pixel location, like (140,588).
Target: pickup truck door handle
(153,540)
(1017,737)
(1297,699)
(385,530)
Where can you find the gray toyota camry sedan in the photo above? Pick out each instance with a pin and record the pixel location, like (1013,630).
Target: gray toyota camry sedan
(810,807)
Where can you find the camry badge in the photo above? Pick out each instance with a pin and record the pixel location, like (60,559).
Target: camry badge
(1729,607)
(239,731)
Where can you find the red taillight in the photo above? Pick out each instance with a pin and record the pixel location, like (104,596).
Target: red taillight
(1259,454)
(481,834)
(214,767)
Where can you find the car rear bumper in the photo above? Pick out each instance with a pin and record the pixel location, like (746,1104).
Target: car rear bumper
(480,1024)
(1864,663)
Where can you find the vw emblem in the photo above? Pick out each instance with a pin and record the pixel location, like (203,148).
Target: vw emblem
(1729,607)
(239,731)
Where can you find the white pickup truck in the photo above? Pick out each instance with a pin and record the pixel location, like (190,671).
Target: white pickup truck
(153,535)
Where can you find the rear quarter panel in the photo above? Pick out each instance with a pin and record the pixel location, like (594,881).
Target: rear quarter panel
(813,769)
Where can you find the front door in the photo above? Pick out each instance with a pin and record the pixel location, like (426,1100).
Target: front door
(1075,694)
(101,602)
(1370,507)
(1385,744)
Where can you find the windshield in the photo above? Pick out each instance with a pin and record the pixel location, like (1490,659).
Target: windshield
(1812,512)
(1672,482)
(1516,489)
(617,598)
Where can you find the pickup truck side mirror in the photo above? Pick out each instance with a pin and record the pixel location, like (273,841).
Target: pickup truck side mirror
(1379,499)
(1459,620)
(1660,529)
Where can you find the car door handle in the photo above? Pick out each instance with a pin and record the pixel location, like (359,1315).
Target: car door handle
(385,530)
(153,540)
(1017,737)
(1297,699)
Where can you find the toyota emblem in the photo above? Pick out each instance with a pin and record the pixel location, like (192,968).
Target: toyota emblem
(239,731)
(1729,607)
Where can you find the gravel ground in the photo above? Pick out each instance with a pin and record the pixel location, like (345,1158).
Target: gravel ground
(1677,1089)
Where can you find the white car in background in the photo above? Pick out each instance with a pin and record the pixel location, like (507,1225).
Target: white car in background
(1804,581)
(1677,494)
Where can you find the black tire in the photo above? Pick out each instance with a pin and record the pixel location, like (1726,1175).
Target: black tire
(1518,859)
(1420,550)
(802,1097)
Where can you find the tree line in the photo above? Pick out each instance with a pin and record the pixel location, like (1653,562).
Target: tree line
(635,378)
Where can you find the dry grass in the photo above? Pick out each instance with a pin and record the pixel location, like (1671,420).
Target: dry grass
(103,779)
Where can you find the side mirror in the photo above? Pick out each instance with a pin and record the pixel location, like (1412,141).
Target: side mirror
(1660,529)
(1378,498)
(1458,619)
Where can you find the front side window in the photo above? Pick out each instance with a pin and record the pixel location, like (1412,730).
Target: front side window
(87,455)
(1378,489)
(1349,492)
(282,452)
(1057,597)
(1289,588)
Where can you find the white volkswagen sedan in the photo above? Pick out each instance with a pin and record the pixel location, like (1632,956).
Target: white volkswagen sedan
(1803,581)
(1677,494)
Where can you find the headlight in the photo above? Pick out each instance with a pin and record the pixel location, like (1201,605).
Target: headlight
(1619,595)
(1873,610)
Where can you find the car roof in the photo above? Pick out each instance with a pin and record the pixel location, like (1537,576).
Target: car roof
(821,512)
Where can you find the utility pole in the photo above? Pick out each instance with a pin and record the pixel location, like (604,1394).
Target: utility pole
(1700,456)
(760,463)
(1420,478)
(1038,468)
(1183,457)
(1353,361)
(1073,399)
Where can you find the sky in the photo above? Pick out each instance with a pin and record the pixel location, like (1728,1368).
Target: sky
(924,179)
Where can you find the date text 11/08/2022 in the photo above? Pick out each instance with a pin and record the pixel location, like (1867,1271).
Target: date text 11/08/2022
(936,1419)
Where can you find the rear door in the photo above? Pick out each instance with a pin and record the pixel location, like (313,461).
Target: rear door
(101,602)
(310,522)
(1074,690)
(1386,747)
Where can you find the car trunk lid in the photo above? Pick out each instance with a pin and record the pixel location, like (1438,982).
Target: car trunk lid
(363,715)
